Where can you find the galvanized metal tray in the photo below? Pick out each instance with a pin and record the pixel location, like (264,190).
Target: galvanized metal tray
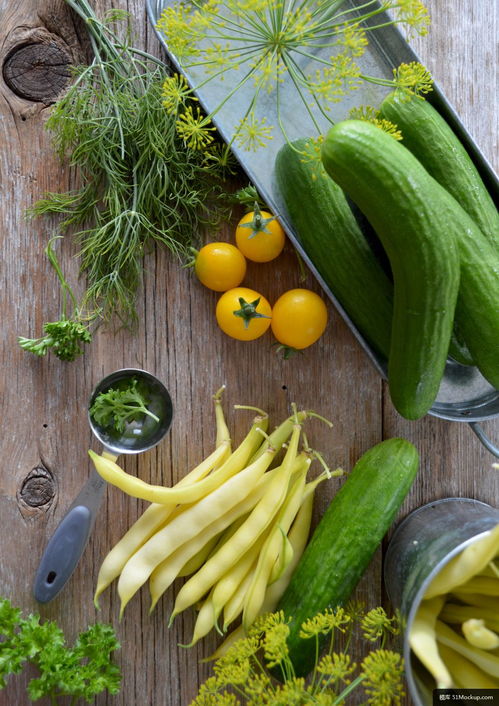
(464,394)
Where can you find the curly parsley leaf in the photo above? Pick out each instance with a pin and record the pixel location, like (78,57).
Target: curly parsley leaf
(120,405)
(81,671)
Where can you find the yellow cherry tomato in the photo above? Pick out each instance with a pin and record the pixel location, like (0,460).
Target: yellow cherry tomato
(243,313)
(259,236)
(299,318)
(220,266)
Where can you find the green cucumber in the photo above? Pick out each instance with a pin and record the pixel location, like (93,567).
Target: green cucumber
(431,139)
(330,235)
(328,230)
(404,205)
(346,538)
(477,308)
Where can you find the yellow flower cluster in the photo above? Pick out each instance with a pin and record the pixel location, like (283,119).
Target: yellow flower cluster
(242,676)
(272,42)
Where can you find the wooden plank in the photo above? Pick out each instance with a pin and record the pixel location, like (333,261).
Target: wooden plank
(44,400)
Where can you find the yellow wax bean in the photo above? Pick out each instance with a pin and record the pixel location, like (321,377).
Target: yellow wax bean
(223,433)
(423,642)
(187,525)
(475,599)
(234,606)
(298,538)
(258,521)
(490,570)
(154,517)
(270,551)
(229,583)
(193,564)
(281,433)
(137,488)
(237,634)
(224,527)
(483,585)
(290,547)
(478,635)
(284,557)
(169,569)
(486,661)
(473,559)
(455,613)
(205,621)
(464,673)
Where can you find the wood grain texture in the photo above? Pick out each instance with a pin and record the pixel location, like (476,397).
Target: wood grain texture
(43,401)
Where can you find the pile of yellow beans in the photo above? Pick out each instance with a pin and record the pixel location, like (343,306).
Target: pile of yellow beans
(455,633)
(236,525)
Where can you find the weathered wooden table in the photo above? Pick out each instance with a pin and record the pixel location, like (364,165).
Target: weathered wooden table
(45,436)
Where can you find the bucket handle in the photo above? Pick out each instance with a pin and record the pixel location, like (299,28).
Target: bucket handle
(477,428)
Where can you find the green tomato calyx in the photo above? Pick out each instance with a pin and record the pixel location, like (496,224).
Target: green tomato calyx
(248,311)
(258,224)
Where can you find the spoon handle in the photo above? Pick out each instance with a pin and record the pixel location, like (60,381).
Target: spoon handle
(69,540)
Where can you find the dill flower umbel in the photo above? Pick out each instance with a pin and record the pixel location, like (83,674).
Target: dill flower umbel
(257,47)
(245,674)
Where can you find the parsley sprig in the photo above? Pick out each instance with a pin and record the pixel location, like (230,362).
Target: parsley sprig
(120,405)
(80,671)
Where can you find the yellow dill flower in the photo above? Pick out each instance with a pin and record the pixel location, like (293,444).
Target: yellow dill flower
(271,41)
(175,92)
(355,609)
(371,115)
(291,693)
(209,695)
(334,81)
(337,667)
(413,77)
(376,624)
(300,26)
(176,23)
(274,643)
(413,14)
(257,688)
(268,71)
(194,128)
(353,40)
(311,154)
(220,56)
(253,133)
(325,622)
(327,698)
(382,672)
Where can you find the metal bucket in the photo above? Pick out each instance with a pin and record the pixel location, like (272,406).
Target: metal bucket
(421,546)
(464,395)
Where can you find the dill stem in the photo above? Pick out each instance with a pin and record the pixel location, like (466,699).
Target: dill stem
(348,690)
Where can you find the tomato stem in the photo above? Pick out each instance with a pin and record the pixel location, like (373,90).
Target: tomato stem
(248,311)
(258,224)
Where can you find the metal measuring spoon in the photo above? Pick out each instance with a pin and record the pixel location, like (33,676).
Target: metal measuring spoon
(69,540)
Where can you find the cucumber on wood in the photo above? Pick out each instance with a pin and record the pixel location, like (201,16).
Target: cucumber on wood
(431,139)
(346,539)
(332,238)
(403,204)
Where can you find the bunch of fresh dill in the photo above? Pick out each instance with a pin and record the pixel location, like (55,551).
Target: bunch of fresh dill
(140,183)
(244,673)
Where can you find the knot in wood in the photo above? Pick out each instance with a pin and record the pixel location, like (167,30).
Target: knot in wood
(38,487)
(37,71)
